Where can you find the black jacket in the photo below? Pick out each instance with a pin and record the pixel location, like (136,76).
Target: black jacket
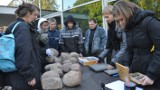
(71,40)
(113,42)
(140,42)
(27,57)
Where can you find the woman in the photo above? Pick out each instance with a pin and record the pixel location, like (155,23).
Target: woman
(116,42)
(140,39)
(27,58)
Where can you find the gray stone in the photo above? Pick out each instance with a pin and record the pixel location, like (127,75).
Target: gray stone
(76,67)
(72,78)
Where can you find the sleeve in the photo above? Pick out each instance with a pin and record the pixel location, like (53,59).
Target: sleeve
(23,55)
(85,41)
(80,43)
(120,54)
(103,39)
(153,28)
(108,44)
(61,43)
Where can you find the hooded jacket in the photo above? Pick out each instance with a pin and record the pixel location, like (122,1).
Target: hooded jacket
(71,40)
(27,56)
(141,59)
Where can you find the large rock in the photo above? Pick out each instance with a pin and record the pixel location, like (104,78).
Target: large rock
(55,67)
(55,52)
(74,60)
(58,60)
(74,54)
(66,67)
(72,78)
(66,61)
(51,81)
(76,67)
(51,59)
(65,56)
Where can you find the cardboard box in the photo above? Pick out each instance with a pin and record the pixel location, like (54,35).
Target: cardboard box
(126,76)
(88,60)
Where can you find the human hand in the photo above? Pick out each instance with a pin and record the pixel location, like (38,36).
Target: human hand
(146,81)
(32,82)
(49,52)
(110,67)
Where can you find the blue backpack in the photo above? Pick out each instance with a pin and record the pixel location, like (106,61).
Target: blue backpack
(7,52)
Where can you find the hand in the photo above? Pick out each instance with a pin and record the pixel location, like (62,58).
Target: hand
(146,81)
(110,67)
(32,82)
(49,52)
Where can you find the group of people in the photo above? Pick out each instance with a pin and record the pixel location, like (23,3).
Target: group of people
(132,32)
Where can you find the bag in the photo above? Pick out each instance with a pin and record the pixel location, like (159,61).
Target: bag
(7,52)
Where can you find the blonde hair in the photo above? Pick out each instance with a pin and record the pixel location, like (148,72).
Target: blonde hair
(107,9)
(124,9)
(52,20)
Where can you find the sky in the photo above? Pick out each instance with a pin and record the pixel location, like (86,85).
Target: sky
(66,3)
(5,2)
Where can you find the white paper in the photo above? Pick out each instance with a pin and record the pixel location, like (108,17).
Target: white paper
(118,85)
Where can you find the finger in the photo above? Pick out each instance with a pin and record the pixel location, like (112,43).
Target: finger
(144,82)
(142,79)
(29,83)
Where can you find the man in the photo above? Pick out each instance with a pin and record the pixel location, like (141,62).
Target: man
(71,39)
(95,39)
(53,34)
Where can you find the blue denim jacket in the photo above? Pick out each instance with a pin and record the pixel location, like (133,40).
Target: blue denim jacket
(99,40)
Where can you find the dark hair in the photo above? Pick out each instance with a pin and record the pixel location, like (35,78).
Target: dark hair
(25,8)
(92,20)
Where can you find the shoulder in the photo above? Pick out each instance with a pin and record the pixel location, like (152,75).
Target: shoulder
(100,28)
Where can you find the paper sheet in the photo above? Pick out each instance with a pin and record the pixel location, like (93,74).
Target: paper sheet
(118,85)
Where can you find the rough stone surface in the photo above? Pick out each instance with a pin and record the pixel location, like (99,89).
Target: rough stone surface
(72,78)
(76,67)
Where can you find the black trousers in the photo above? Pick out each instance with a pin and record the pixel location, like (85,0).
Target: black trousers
(17,82)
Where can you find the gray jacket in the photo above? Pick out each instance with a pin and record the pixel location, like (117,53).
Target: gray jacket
(99,40)
(118,55)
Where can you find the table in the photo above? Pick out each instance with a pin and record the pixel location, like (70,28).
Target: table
(92,80)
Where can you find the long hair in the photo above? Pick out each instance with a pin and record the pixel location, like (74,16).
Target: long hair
(124,9)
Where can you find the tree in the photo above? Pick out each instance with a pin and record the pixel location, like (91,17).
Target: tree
(47,4)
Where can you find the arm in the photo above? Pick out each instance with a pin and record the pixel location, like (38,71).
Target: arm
(80,43)
(103,39)
(23,54)
(62,44)
(120,54)
(153,28)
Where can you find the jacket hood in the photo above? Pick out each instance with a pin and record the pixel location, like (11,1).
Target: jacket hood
(139,15)
(70,19)
(39,23)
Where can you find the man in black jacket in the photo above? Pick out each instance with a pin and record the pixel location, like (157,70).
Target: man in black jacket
(71,39)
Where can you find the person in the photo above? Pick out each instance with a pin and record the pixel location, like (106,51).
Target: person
(53,34)
(116,41)
(42,39)
(27,57)
(141,36)
(1,31)
(71,39)
(95,39)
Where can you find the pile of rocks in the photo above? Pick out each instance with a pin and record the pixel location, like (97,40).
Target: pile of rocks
(64,70)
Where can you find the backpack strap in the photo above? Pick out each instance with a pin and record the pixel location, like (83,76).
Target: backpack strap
(15,27)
